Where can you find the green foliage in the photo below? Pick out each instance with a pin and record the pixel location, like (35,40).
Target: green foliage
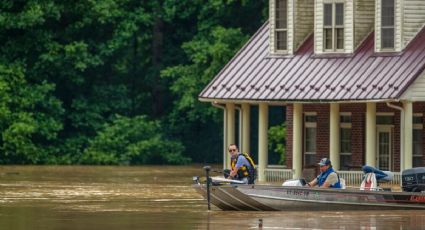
(277,141)
(208,55)
(30,118)
(68,67)
(220,35)
(133,141)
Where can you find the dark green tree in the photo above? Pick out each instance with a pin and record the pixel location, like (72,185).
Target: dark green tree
(29,119)
(133,141)
(222,30)
(277,141)
(68,68)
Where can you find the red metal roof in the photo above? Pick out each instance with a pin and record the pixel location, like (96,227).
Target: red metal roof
(254,74)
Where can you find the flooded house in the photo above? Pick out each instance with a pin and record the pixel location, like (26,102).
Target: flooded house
(350,75)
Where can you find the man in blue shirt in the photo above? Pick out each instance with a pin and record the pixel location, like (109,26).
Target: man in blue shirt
(242,167)
(327,178)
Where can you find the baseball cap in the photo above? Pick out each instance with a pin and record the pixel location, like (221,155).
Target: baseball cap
(324,161)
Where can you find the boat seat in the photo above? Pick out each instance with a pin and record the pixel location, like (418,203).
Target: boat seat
(342,182)
(369,182)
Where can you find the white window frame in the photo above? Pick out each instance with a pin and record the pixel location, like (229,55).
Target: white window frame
(276,30)
(309,125)
(385,129)
(418,127)
(334,27)
(385,114)
(345,125)
(387,27)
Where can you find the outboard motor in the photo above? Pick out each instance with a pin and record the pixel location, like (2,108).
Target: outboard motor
(413,180)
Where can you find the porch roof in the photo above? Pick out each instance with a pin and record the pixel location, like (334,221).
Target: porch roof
(255,75)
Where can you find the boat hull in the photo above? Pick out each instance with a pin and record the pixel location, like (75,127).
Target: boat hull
(270,198)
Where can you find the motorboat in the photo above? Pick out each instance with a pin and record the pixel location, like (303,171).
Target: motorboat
(232,195)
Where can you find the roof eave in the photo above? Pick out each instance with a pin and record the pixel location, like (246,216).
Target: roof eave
(284,102)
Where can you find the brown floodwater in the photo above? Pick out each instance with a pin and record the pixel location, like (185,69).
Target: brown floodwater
(150,197)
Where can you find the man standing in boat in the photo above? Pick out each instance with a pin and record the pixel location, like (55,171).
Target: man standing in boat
(327,178)
(242,166)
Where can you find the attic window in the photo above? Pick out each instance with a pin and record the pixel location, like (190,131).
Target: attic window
(333,26)
(281,29)
(387,24)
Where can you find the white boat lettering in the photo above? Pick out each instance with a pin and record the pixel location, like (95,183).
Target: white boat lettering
(295,192)
(408,178)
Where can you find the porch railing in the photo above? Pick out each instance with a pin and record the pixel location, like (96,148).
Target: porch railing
(352,178)
(356,177)
(277,174)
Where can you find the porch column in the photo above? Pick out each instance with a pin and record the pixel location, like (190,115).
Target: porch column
(297,161)
(334,136)
(408,135)
(230,108)
(246,120)
(263,125)
(225,152)
(371,134)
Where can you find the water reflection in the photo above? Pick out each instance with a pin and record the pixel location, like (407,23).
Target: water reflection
(155,197)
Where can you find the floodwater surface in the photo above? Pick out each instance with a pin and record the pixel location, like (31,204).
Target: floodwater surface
(151,197)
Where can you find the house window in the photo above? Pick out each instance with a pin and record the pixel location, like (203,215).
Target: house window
(417,147)
(310,139)
(385,119)
(384,137)
(345,141)
(387,24)
(281,30)
(333,26)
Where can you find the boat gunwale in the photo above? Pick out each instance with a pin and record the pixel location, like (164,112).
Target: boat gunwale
(327,190)
(387,204)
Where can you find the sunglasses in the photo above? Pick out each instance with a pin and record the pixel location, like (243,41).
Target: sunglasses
(232,150)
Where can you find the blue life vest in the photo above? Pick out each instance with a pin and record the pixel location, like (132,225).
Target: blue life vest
(322,178)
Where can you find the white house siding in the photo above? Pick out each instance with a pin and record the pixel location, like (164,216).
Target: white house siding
(398,25)
(348,25)
(413,19)
(272,26)
(318,27)
(416,91)
(304,12)
(398,22)
(377,25)
(291,25)
(361,16)
(364,16)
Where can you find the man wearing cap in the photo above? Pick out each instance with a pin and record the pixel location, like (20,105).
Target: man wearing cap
(327,178)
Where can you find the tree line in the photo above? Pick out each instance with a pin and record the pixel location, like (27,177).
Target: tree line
(115,81)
